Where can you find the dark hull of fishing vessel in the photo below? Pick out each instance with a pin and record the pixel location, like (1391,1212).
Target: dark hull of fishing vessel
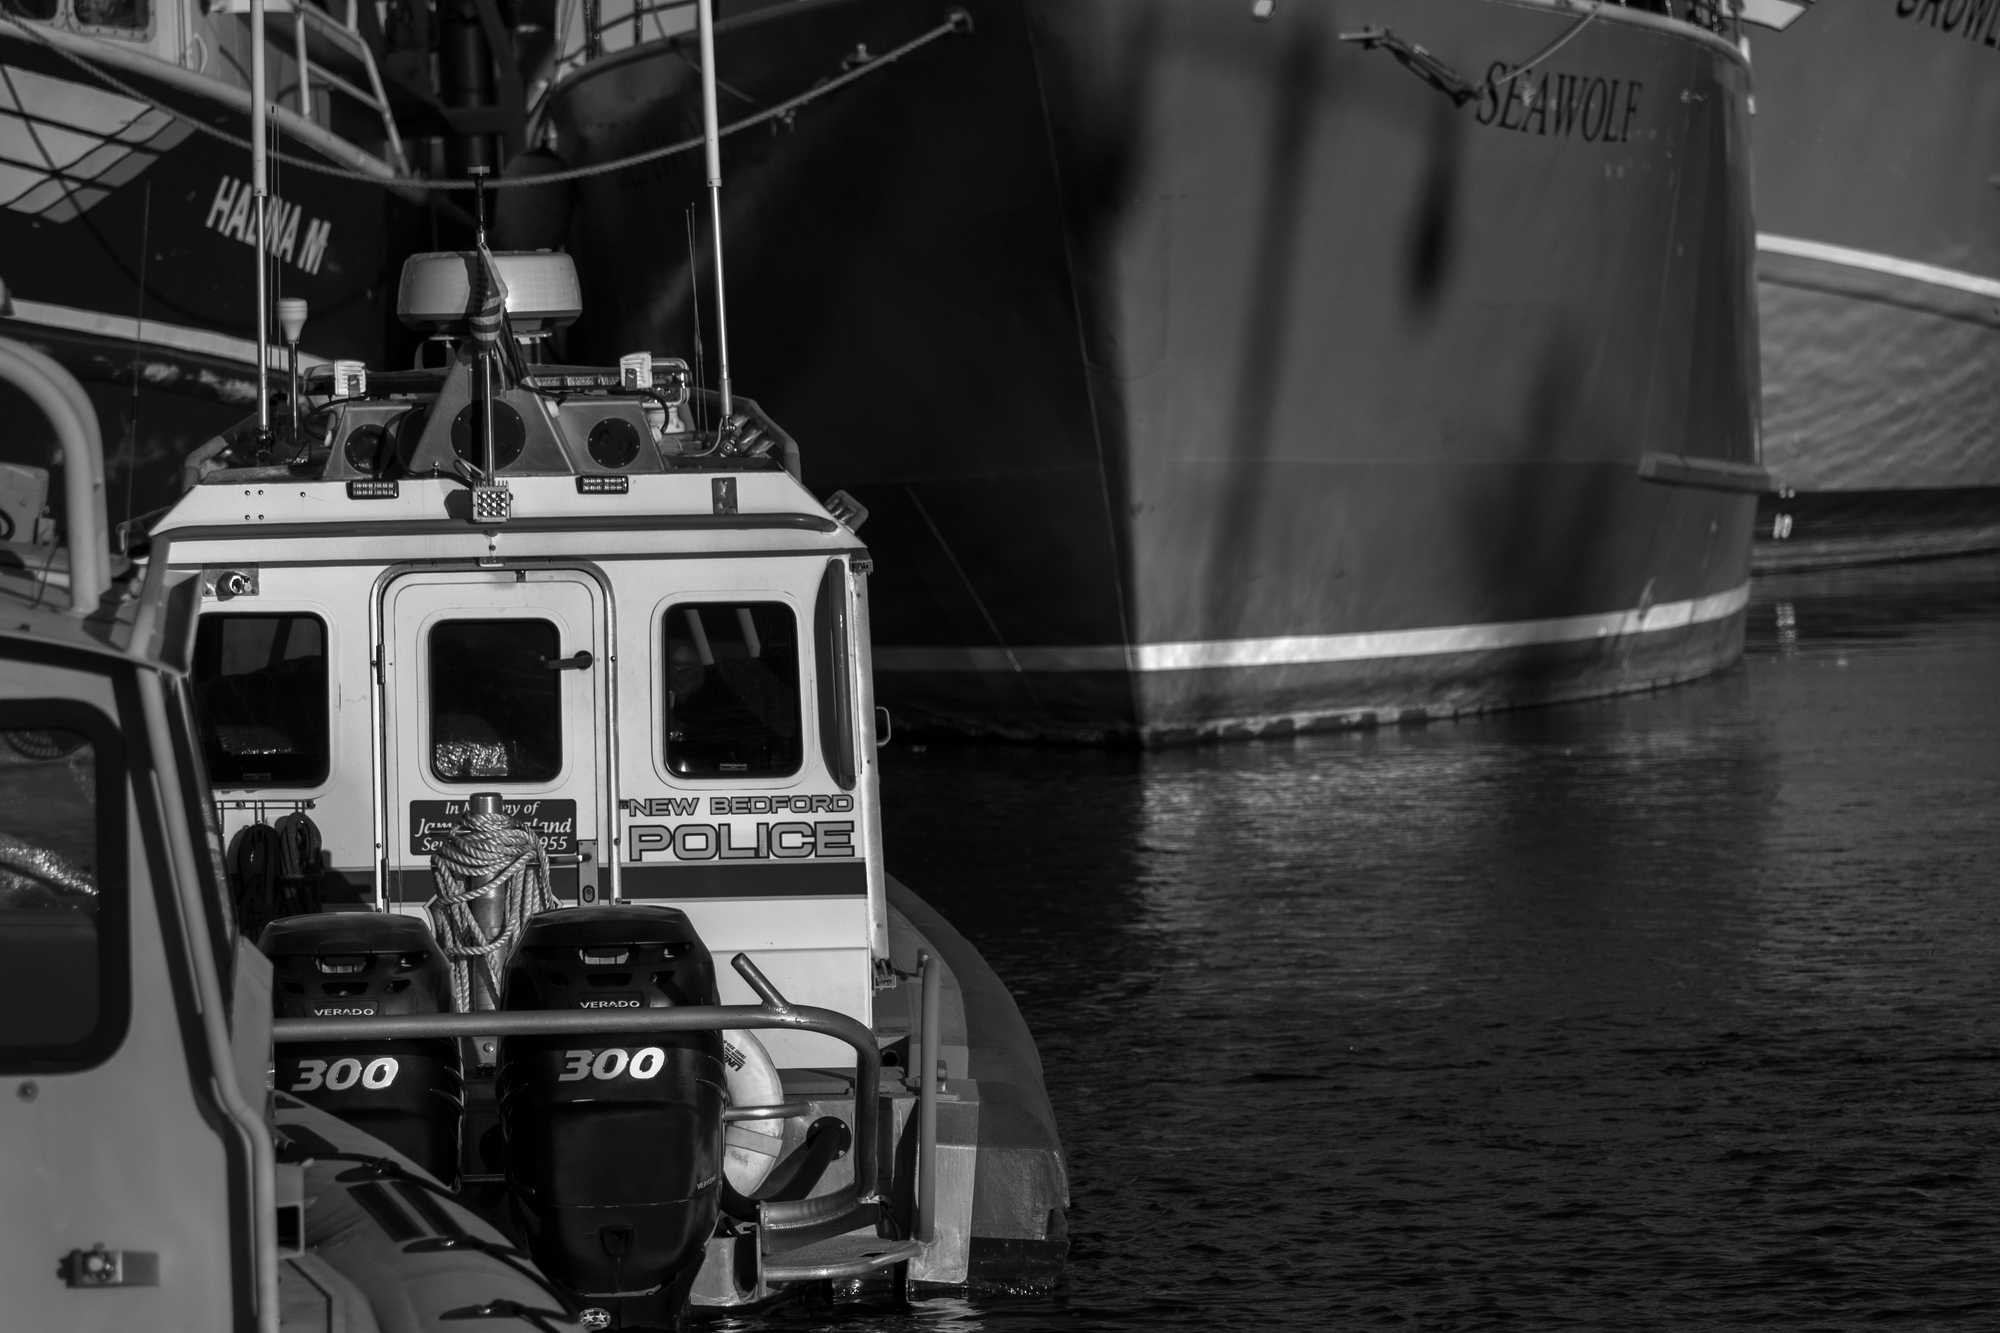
(1206,375)
(1879,282)
(126,226)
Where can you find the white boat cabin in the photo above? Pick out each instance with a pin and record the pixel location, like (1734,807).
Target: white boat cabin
(646,637)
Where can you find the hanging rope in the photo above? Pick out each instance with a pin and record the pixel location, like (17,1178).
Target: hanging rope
(274,871)
(956,21)
(1516,71)
(1448,80)
(253,877)
(297,852)
(486,856)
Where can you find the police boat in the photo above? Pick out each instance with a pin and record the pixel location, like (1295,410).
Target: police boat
(534,703)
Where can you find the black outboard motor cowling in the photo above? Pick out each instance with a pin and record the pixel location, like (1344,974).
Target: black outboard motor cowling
(409,1094)
(614,1143)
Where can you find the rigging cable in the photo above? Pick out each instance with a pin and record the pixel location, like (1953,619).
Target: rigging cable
(1558,44)
(957,21)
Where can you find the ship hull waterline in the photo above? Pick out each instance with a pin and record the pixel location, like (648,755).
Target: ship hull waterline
(1168,348)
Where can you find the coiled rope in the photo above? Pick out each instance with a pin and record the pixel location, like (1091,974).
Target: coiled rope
(485,855)
(956,21)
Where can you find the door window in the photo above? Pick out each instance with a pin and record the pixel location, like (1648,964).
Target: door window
(495,701)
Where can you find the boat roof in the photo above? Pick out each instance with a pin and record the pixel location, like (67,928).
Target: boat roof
(271,515)
(494,455)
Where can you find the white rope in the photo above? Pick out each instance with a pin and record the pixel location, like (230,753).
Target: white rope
(484,856)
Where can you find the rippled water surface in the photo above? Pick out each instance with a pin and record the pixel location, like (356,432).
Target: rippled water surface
(1677,1010)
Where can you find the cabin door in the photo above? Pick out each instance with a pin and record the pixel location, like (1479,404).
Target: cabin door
(495,683)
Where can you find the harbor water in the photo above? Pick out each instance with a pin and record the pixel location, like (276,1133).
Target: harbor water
(1679,1010)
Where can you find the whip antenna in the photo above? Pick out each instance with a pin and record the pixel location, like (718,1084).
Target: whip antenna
(712,141)
(694,297)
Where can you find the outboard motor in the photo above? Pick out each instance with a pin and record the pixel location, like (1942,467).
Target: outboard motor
(409,1094)
(614,1143)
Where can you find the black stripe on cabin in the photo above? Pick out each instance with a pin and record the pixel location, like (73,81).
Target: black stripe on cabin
(809,879)
(420,886)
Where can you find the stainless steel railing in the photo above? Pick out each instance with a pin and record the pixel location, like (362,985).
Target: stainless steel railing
(853,1205)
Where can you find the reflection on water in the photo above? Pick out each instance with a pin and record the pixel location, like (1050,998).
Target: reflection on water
(1668,1009)
(1678,1010)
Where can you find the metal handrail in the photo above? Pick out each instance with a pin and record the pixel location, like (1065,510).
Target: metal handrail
(850,1206)
(345,35)
(360,49)
(53,389)
(593,34)
(928,1042)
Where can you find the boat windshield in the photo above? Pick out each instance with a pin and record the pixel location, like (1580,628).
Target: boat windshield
(60,826)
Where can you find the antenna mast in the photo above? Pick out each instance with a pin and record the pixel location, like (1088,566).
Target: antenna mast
(712,140)
(258,133)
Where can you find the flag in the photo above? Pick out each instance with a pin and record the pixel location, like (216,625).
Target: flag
(486,299)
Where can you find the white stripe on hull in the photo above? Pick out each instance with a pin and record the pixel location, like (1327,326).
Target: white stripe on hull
(153,333)
(1929,274)
(1321,649)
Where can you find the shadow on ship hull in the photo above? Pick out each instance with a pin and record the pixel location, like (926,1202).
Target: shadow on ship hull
(1206,376)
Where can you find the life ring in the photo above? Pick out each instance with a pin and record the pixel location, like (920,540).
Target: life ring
(750,1148)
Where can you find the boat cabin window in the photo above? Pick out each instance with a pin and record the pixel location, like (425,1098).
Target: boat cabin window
(124,15)
(495,701)
(732,689)
(43,10)
(62,858)
(261,690)
(836,695)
